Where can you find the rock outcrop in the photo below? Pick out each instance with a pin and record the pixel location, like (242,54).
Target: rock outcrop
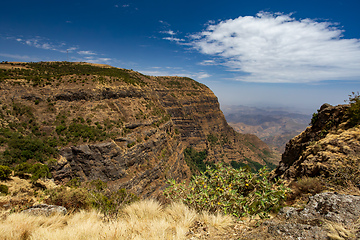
(325,216)
(328,148)
(45,210)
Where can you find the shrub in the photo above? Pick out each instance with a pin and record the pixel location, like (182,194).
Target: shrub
(39,170)
(231,191)
(4,189)
(5,172)
(71,198)
(110,202)
(95,194)
(305,186)
(354,110)
(212,139)
(195,160)
(36,170)
(23,148)
(314,118)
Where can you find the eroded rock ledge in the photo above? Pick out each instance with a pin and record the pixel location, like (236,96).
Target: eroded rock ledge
(325,216)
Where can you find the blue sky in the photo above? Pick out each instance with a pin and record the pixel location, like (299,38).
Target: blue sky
(296,54)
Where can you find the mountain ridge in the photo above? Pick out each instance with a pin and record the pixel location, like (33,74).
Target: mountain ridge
(139,125)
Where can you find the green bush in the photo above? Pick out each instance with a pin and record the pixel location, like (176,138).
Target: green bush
(354,110)
(237,192)
(110,202)
(5,172)
(39,170)
(71,198)
(4,189)
(22,148)
(213,139)
(95,194)
(36,170)
(195,160)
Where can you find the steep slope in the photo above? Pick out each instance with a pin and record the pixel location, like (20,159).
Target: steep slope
(330,148)
(117,125)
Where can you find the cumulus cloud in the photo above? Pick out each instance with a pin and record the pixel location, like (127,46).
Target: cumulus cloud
(279,48)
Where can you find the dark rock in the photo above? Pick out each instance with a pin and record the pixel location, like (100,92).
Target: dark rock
(312,222)
(297,231)
(288,213)
(45,210)
(31,97)
(333,207)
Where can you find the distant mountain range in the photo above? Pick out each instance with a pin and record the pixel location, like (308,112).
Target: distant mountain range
(274,126)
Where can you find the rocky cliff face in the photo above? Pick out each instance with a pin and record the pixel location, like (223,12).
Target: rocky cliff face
(329,148)
(118,125)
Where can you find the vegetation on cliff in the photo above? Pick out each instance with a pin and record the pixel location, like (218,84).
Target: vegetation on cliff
(237,192)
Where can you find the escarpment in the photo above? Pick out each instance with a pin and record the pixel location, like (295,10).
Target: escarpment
(330,148)
(116,125)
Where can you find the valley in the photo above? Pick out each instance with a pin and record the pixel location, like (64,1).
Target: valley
(274,126)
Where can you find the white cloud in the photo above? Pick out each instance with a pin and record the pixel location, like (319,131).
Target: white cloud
(43,43)
(279,48)
(174,39)
(86,53)
(93,59)
(174,71)
(71,49)
(164,23)
(208,63)
(202,75)
(170,32)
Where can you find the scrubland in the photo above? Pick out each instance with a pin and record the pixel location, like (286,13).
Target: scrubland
(145,219)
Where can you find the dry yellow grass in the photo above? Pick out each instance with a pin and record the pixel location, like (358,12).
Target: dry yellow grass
(145,219)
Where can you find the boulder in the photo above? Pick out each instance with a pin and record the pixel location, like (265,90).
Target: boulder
(45,210)
(315,220)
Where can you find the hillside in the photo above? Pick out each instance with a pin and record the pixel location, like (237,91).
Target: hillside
(135,132)
(328,149)
(88,121)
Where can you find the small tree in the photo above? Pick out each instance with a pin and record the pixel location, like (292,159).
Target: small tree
(354,110)
(5,172)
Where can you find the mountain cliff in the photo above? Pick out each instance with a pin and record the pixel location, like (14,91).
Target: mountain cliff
(88,121)
(328,149)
